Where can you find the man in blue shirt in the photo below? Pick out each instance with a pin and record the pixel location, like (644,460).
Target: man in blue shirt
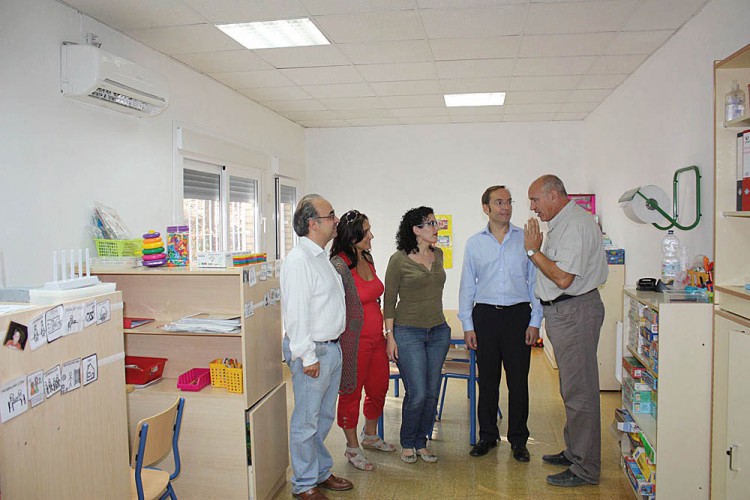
(500,315)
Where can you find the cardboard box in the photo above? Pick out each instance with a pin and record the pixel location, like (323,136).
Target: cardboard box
(633,366)
(635,396)
(637,479)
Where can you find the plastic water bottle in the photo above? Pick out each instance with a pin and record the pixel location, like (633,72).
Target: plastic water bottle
(670,261)
(734,103)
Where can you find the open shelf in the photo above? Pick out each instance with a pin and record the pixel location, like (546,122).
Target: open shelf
(735,213)
(645,362)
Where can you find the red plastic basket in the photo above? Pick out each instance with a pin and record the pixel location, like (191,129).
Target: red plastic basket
(194,380)
(141,370)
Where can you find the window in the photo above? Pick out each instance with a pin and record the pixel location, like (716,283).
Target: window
(220,205)
(286,203)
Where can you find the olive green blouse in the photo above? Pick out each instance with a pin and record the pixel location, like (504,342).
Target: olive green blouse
(419,292)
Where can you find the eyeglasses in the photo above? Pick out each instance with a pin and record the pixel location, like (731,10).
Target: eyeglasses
(431,223)
(332,216)
(351,216)
(502,203)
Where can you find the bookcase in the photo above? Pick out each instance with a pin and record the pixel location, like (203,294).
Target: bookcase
(71,445)
(730,454)
(680,364)
(231,445)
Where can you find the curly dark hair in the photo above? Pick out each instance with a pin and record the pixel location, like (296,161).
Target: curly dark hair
(349,232)
(406,240)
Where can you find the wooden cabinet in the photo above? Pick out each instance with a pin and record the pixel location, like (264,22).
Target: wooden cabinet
(611,293)
(72,445)
(676,427)
(730,404)
(231,445)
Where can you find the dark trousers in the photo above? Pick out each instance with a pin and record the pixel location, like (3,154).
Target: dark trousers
(501,342)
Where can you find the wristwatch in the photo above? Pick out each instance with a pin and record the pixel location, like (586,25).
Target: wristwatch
(530,252)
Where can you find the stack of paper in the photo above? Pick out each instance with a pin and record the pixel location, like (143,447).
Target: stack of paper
(206,323)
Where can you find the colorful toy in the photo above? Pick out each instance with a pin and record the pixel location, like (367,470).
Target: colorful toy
(153,249)
(178,238)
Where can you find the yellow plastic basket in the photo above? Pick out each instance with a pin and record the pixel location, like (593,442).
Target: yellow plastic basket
(218,373)
(234,380)
(225,376)
(118,248)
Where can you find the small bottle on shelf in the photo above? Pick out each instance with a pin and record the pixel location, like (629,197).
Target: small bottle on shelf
(670,262)
(734,103)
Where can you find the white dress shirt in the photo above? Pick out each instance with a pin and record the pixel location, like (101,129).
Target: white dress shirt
(312,300)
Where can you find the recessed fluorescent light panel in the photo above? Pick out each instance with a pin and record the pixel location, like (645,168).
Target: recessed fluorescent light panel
(274,34)
(485,99)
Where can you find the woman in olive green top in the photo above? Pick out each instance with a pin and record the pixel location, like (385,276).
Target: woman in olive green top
(417,334)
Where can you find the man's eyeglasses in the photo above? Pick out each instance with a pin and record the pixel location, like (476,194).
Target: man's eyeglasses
(332,216)
(431,223)
(502,203)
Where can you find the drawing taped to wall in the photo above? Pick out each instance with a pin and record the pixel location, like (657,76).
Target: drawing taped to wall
(52,382)
(14,399)
(90,369)
(36,388)
(53,320)
(103,312)
(70,376)
(38,333)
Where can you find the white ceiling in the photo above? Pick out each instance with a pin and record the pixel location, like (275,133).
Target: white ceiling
(390,61)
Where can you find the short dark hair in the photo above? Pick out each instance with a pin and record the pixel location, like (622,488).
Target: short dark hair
(304,212)
(406,240)
(349,232)
(488,192)
(551,182)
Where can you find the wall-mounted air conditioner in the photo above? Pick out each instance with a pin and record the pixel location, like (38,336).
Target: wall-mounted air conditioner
(92,75)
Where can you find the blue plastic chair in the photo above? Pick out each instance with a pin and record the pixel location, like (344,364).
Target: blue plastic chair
(154,437)
(396,377)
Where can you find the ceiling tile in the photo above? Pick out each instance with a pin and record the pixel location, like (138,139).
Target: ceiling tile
(471,85)
(498,47)
(532,108)
(352,103)
(323,75)
(395,72)
(339,90)
(663,14)
(476,110)
(477,119)
(444,4)
(234,11)
(537,97)
(588,44)
(323,123)
(540,66)
(250,79)
(578,17)
(392,51)
(412,87)
(303,57)
(295,105)
(543,82)
(589,95)
(601,81)
(607,65)
(424,120)
(477,68)
(413,101)
(637,42)
(424,112)
(138,14)
(355,28)
(224,61)
(185,39)
(373,122)
(570,116)
(363,113)
(312,115)
(262,94)
(578,107)
(536,117)
(478,22)
(324,7)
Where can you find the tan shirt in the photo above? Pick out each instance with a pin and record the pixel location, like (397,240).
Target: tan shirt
(574,243)
(419,292)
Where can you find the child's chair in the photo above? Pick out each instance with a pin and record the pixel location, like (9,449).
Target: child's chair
(154,436)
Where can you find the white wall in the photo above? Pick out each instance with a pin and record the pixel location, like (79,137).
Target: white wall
(59,156)
(661,119)
(384,171)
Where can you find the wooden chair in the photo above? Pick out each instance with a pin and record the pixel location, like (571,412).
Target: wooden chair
(155,436)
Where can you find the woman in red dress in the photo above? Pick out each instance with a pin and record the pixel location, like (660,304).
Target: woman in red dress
(365,362)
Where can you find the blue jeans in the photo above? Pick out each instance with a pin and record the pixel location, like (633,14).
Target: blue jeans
(421,353)
(313,415)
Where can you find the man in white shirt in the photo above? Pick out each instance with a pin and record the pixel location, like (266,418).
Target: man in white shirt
(314,313)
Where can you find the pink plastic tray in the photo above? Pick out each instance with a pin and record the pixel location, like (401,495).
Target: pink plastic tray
(194,380)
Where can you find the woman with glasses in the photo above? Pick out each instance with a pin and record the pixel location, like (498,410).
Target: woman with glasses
(365,362)
(418,336)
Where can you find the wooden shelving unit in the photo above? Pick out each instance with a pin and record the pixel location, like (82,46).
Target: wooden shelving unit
(216,460)
(731,342)
(677,429)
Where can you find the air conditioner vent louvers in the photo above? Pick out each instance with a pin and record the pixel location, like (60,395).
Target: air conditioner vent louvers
(122,100)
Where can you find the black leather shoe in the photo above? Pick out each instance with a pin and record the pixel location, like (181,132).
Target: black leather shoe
(567,479)
(558,459)
(482,448)
(521,453)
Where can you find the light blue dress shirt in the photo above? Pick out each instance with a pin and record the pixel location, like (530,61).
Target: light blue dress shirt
(497,273)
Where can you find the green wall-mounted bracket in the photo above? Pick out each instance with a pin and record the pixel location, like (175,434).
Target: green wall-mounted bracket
(653,204)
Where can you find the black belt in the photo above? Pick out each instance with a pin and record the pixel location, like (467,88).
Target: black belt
(563,297)
(494,306)
(334,341)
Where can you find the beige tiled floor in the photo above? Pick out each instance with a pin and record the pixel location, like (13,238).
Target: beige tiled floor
(496,475)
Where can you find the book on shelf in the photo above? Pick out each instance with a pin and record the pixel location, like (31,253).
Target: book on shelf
(128,322)
(206,323)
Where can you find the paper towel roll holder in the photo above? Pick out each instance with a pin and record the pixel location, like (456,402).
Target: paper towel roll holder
(652,204)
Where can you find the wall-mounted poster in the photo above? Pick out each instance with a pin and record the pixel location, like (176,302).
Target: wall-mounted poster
(445,238)
(585,201)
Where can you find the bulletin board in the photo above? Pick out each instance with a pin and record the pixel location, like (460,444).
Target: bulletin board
(445,239)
